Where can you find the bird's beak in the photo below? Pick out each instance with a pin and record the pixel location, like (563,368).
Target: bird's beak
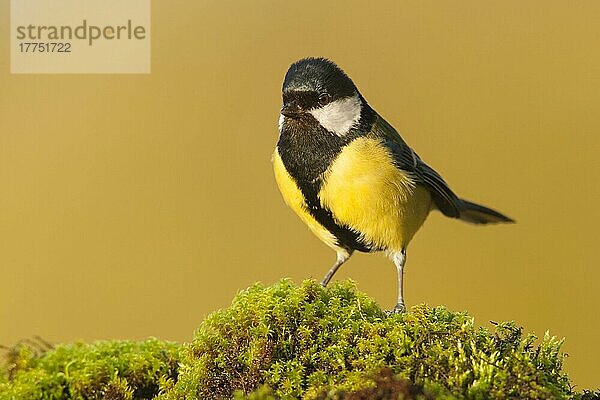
(291,109)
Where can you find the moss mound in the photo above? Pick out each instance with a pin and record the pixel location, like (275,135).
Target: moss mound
(316,343)
(285,341)
(115,370)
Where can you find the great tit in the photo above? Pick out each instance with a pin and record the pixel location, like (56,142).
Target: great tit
(350,176)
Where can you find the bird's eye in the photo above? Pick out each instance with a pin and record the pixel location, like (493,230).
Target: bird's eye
(324,98)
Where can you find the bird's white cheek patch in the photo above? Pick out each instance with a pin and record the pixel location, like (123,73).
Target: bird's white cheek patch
(339,116)
(281,119)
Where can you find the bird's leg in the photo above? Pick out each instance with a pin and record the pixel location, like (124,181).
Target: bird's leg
(342,257)
(399,260)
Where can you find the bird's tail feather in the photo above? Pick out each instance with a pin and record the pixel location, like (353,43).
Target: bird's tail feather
(477,214)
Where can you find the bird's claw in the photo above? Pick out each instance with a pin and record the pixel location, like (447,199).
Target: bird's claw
(399,308)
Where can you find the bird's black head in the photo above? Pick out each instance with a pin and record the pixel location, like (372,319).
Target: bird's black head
(318,76)
(316,91)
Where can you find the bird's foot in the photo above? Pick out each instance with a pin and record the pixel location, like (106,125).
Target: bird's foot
(399,308)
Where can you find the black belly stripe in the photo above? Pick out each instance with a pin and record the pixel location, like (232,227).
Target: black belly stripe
(306,150)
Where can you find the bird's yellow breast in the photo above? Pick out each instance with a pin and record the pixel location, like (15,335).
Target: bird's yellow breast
(295,200)
(367,192)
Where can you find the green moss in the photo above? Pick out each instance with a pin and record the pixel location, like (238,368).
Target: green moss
(111,370)
(308,341)
(286,341)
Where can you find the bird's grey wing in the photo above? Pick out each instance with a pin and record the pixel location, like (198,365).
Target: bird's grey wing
(407,160)
(443,197)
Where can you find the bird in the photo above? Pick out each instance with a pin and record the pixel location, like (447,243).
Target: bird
(350,176)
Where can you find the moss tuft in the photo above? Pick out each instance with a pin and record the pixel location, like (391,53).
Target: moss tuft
(306,341)
(112,370)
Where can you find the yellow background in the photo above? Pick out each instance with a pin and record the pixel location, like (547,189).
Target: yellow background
(133,205)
